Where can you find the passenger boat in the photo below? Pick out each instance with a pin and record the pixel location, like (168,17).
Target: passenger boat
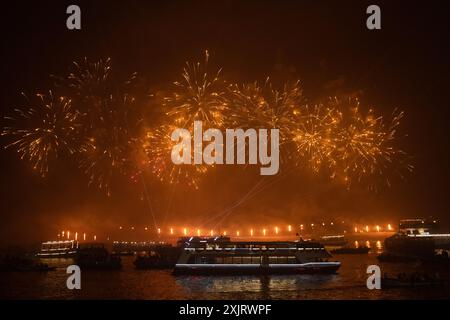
(58,249)
(417,239)
(218,256)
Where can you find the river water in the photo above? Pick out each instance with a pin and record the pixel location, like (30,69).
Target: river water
(129,283)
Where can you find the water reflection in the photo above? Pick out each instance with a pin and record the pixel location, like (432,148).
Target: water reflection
(379,246)
(369,244)
(130,283)
(263,284)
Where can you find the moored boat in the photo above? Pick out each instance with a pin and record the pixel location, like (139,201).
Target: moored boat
(158,257)
(413,280)
(58,249)
(95,256)
(349,250)
(417,240)
(23,264)
(211,257)
(334,241)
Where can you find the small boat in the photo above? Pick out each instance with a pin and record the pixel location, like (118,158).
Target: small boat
(396,258)
(160,257)
(152,262)
(334,241)
(41,267)
(130,248)
(437,259)
(95,256)
(23,264)
(413,280)
(349,250)
(210,257)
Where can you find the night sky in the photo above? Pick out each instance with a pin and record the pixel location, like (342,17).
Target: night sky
(325,44)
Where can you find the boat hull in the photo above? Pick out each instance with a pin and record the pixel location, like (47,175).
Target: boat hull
(57,255)
(364,250)
(256,269)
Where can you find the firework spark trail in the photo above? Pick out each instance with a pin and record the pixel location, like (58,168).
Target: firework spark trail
(149,201)
(266,107)
(169,205)
(313,137)
(110,145)
(90,78)
(256,106)
(339,139)
(233,205)
(365,144)
(158,147)
(108,112)
(261,186)
(198,96)
(44,129)
(227,212)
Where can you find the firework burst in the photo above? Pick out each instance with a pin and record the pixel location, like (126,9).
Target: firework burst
(198,96)
(112,143)
(158,146)
(266,107)
(87,79)
(110,122)
(314,137)
(44,129)
(96,121)
(366,143)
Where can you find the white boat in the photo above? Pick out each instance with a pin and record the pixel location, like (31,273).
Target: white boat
(229,257)
(58,249)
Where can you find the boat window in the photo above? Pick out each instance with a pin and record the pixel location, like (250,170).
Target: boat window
(273,260)
(247,260)
(237,260)
(256,259)
(228,260)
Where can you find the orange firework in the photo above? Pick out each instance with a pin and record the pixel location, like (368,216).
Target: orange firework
(44,129)
(158,147)
(365,144)
(198,96)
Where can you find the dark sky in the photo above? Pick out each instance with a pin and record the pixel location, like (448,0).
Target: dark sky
(325,44)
